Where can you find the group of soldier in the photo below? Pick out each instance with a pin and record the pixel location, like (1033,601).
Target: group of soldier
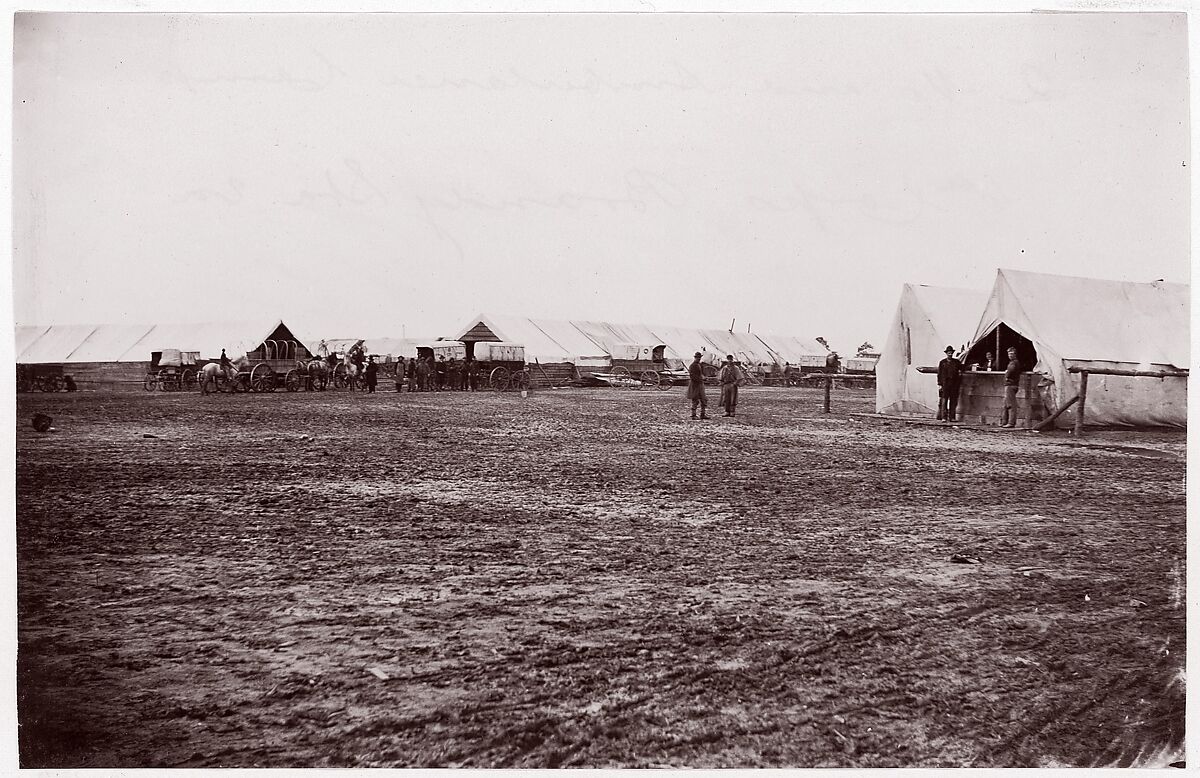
(950,372)
(729,378)
(425,374)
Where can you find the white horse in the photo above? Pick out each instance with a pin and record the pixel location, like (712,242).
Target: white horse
(214,372)
(349,368)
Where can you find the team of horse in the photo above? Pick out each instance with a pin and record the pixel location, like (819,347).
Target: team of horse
(317,373)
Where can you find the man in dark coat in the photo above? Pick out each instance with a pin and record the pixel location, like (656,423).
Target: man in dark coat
(1012,381)
(728,378)
(472,375)
(372,374)
(411,375)
(695,388)
(949,382)
(440,372)
(400,367)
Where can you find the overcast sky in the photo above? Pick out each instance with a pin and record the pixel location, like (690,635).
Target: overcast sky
(366,175)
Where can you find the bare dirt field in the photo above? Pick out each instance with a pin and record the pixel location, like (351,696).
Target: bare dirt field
(588,578)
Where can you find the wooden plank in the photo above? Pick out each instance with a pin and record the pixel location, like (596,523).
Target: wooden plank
(1164,373)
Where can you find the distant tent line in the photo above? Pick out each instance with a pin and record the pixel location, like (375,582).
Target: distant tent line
(68,344)
(114,356)
(595,344)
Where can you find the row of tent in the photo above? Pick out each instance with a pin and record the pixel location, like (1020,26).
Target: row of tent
(589,344)
(69,344)
(584,344)
(1071,322)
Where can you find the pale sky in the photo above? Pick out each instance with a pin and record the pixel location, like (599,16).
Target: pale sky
(373,174)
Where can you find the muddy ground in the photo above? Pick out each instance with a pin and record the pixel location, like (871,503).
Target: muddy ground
(588,578)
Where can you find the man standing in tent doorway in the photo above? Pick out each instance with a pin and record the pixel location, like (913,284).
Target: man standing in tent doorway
(695,390)
(949,381)
(728,378)
(1012,380)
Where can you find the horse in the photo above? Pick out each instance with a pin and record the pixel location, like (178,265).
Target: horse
(316,373)
(214,372)
(351,369)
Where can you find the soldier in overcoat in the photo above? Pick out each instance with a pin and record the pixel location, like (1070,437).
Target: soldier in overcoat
(695,388)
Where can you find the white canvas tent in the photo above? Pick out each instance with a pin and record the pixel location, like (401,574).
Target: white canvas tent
(796,351)
(546,341)
(743,346)
(683,342)
(109,343)
(208,338)
(1089,322)
(112,355)
(928,318)
(622,341)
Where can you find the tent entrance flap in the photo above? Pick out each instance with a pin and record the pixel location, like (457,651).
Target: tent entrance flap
(997,342)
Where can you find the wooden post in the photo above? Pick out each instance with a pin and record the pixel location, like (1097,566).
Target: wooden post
(828,386)
(1047,422)
(1029,395)
(1082,402)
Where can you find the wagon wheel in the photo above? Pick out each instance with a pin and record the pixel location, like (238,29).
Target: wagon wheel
(168,381)
(292,380)
(262,378)
(150,383)
(519,381)
(239,383)
(499,379)
(188,381)
(649,379)
(341,378)
(621,376)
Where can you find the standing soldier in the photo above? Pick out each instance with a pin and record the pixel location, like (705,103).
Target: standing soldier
(400,375)
(949,381)
(440,372)
(372,374)
(695,390)
(422,374)
(728,378)
(472,375)
(1012,380)
(412,374)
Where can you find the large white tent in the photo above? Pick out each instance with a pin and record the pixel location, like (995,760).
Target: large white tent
(928,318)
(546,341)
(589,344)
(1098,324)
(115,355)
(796,351)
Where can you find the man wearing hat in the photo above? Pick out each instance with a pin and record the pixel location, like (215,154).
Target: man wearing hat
(728,378)
(695,389)
(949,381)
